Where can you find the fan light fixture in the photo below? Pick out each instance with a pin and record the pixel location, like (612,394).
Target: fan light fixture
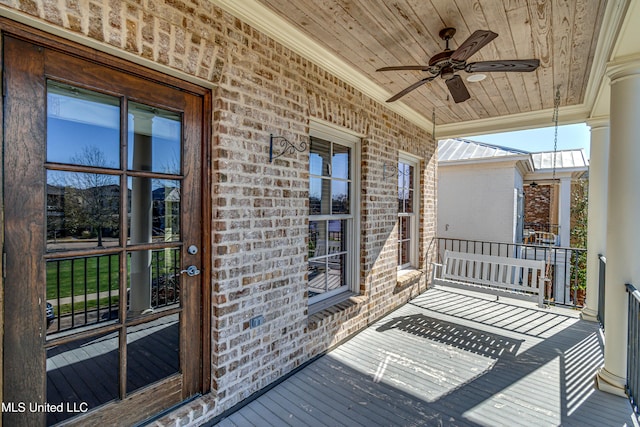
(476,77)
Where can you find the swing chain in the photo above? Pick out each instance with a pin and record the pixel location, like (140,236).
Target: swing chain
(556,107)
(433,121)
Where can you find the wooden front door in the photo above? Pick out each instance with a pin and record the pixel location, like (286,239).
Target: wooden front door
(103,239)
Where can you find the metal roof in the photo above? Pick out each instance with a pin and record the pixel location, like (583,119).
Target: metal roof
(450,150)
(453,150)
(564,159)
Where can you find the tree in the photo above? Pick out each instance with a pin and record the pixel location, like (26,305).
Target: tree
(579,205)
(92,199)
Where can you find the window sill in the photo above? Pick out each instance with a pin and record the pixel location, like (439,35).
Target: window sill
(330,304)
(408,276)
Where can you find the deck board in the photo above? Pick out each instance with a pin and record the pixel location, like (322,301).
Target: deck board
(452,358)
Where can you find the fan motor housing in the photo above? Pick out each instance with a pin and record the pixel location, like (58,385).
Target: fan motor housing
(441,58)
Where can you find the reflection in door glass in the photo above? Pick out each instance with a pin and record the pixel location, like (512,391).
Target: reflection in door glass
(153,281)
(154,139)
(83,127)
(83,210)
(153,351)
(82,291)
(83,372)
(154,210)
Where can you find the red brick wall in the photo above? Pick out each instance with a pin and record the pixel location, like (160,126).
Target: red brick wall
(537,204)
(260,222)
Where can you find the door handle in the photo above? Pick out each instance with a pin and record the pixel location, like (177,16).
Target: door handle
(191,271)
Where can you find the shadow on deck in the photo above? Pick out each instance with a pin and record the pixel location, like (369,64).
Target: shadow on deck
(451,358)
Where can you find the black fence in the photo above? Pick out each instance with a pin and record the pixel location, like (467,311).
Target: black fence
(83,291)
(565,268)
(601,276)
(633,347)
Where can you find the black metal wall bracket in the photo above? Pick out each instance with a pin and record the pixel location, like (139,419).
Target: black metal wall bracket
(388,171)
(285,145)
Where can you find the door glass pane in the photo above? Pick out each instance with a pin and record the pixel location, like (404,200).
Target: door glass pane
(153,210)
(83,127)
(153,351)
(82,291)
(83,210)
(165,278)
(154,139)
(82,375)
(153,281)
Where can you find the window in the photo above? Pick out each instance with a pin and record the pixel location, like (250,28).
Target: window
(332,213)
(407,211)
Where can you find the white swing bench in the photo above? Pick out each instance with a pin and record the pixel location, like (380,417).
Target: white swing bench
(511,277)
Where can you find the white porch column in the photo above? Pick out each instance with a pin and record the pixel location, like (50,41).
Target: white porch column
(597,213)
(141,215)
(623,227)
(564,211)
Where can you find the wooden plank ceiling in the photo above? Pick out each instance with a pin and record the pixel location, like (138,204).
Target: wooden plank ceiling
(369,34)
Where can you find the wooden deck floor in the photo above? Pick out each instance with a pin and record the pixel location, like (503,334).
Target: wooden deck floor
(451,357)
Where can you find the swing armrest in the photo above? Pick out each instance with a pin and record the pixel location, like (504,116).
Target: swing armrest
(436,266)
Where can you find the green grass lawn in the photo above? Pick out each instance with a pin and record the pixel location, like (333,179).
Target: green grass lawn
(97,272)
(91,305)
(90,274)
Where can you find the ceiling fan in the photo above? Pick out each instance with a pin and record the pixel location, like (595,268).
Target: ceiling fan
(446,63)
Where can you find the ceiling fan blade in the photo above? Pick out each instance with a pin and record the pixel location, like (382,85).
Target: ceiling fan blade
(457,88)
(405,67)
(474,43)
(522,65)
(410,88)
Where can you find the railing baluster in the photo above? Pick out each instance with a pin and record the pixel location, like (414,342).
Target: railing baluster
(601,293)
(58,290)
(109,278)
(73,293)
(98,289)
(633,345)
(86,317)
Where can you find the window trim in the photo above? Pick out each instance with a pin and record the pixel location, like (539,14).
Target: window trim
(404,157)
(352,140)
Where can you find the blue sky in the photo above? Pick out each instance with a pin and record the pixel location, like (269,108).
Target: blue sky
(569,137)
